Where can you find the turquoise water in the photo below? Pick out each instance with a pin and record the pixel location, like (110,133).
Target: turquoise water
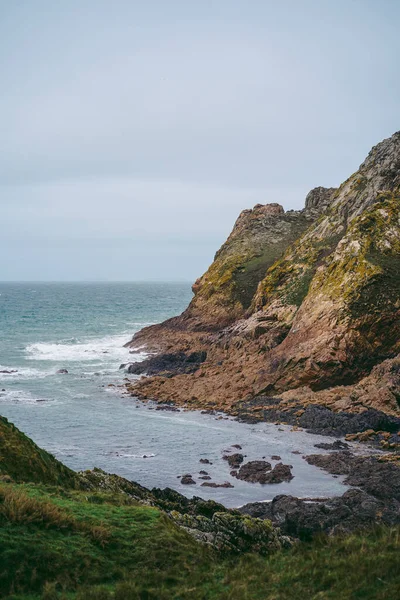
(85,422)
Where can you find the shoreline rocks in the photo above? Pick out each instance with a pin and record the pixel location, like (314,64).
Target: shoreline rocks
(187,480)
(234,460)
(168,364)
(375,498)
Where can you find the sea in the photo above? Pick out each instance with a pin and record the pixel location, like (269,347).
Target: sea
(86,419)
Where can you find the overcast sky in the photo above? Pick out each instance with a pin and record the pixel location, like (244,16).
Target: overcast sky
(133,133)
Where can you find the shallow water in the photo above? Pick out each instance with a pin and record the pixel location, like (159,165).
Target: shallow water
(86,423)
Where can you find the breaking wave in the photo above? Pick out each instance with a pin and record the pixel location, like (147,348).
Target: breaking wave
(104,349)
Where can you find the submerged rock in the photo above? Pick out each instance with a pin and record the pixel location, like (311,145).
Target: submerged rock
(234,460)
(259,471)
(188,480)
(227,484)
(279,474)
(336,445)
(254,471)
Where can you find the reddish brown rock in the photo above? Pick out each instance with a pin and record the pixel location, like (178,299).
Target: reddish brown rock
(302,305)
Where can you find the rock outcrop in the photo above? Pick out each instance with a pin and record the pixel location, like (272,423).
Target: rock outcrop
(298,303)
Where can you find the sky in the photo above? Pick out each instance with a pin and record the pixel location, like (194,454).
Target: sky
(133,133)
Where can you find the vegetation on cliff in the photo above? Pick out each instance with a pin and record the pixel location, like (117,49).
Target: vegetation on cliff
(22,460)
(325,309)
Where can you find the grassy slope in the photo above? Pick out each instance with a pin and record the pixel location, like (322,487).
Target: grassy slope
(22,460)
(71,544)
(57,542)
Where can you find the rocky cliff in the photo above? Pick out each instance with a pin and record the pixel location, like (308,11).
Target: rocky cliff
(297,303)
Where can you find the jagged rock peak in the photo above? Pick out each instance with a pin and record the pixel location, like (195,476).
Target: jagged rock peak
(269,209)
(386,154)
(318,199)
(258,212)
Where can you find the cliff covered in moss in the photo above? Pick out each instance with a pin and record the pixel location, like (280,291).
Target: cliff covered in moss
(298,300)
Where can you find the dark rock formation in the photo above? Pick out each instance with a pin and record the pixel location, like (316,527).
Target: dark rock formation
(188,480)
(279,474)
(303,519)
(171,364)
(376,501)
(234,460)
(316,419)
(336,445)
(227,484)
(254,471)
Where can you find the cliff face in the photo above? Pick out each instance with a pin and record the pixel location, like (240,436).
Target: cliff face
(302,298)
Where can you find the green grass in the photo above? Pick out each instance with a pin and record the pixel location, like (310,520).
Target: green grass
(22,460)
(58,544)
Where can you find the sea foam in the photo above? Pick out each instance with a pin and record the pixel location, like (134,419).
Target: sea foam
(104,349)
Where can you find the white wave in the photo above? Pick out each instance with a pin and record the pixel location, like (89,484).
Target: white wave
(21,373)
(21,397)
(104,349)
(125,455)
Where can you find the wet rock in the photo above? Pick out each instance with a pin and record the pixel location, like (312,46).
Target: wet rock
(205,477)
(234,460)
(237,446)
(336,445)
(259,471)
(205,461)
(355,510)
(211,484)
(296,452)
(275,457)
(339,463)
(254,471)
(203,472)
(279,474)
(188,480)
(168,407)
(62,371)
(380,479)
(9,371)
(317,419)
(169,364)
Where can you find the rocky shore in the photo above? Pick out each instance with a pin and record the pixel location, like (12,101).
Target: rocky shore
(374,499)
(297,321)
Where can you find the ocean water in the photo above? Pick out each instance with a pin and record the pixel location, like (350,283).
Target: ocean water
(85,419)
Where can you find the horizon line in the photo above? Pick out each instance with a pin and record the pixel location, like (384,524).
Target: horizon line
(96,281)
